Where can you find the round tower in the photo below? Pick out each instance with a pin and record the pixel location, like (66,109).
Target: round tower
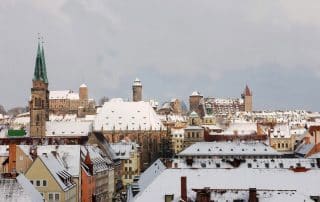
(137,90)
(83,92)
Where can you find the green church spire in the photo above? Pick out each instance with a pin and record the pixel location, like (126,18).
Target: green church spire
(44,68)
(40,72)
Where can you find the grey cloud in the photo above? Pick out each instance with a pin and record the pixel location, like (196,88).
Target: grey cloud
(108,43)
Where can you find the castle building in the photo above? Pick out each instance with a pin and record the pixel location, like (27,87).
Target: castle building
(137,90)
(221,107)
(69,102)
(39,102)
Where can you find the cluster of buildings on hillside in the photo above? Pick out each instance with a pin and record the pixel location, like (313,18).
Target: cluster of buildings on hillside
(67,148)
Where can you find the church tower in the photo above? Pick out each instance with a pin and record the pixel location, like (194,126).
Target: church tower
(39,102)
(137,91)
(247,96)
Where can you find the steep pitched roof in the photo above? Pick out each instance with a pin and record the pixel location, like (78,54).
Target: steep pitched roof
(247,91)
(40,71)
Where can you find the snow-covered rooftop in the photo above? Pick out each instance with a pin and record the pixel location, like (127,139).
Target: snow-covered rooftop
(124,149)
(120,115)
(19,189)
(57,171)
(168,182)
(241,128)
(280,131)
(68,155)
(229,149)
(63,94)
(68,128)
(100,162)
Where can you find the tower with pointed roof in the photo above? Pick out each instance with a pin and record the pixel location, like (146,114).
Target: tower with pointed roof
(137,91)
(247,97)
(39,101)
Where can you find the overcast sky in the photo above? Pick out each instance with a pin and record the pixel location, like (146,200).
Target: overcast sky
(173,46)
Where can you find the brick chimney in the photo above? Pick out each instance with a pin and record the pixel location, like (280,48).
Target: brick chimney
(12,157)
(253,195)
(184,188)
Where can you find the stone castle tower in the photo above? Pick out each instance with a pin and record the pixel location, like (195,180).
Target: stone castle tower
(247,96)
(39,102)
(83,92)
(137,90)
(194,102)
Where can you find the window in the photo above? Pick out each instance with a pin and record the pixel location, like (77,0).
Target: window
(281,165)
(287,145)
(249,165)
(44,183)
(38,183)
(31,181)
(57,196)
(50,196)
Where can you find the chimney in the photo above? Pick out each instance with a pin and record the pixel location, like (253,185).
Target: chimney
(253,195)
(12,157)
(184,188)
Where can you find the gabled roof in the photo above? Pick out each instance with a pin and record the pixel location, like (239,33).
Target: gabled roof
(69,155)
(59,173)
(18,189)
(120,115)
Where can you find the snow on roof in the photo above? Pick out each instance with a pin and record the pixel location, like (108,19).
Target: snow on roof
(69,155)
(63,94)
(83,86)
(57,171)
(68,128)
(255,163)
(120,115)
(211,127)
(100,162)
(228,148)
(19,189)
(59,94)
(304,149)
(193,128)
(195,93)
(177,131)
(168,182)
(123,149)
(148,176)
(29,189)
(315,156)
(4,150)
(21,120)
(193,114)
(281,131)
(137,82)
(242,128)
(173,118)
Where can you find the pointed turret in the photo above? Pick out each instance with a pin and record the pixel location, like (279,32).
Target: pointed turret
(247,91)
(40,72)
(37,68)
(44,68)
